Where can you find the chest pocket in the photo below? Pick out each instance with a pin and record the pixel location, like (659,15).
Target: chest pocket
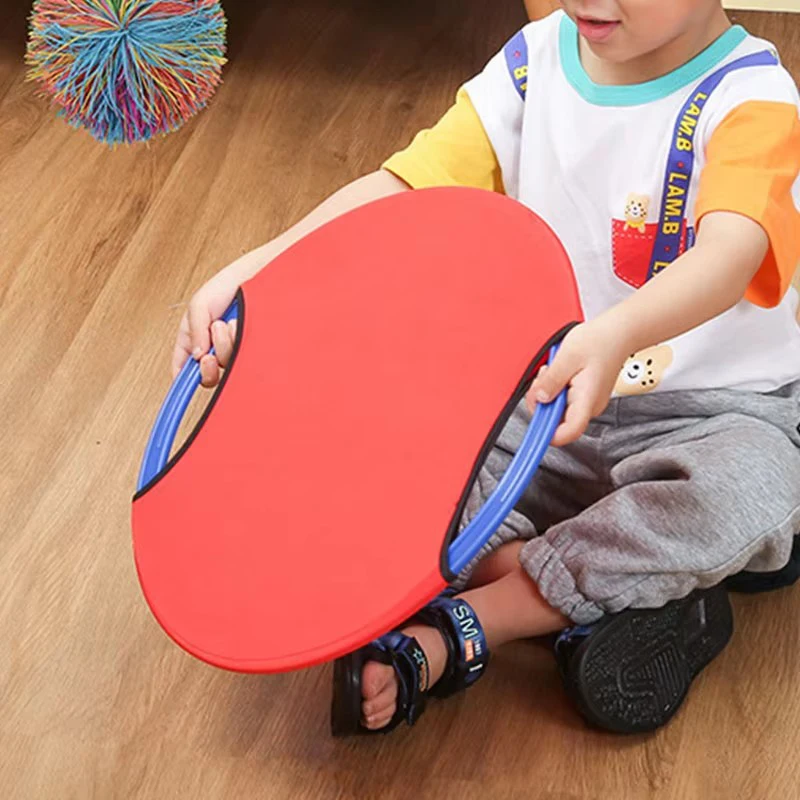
(633,240)
(642,249)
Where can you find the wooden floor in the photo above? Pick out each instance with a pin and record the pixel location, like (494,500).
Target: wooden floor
(98,249)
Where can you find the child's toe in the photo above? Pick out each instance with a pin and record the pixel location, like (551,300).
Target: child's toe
(379,689)
(378,721)
(375,678)
(384,701)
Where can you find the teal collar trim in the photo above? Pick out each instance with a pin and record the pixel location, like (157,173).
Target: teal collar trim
(640,93)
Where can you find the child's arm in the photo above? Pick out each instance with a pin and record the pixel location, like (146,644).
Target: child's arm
(198,328)
(796,284)
(704,282)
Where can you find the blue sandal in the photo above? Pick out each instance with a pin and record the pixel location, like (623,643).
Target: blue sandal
(467,657)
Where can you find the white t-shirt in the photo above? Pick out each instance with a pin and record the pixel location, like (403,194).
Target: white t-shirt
(593,161)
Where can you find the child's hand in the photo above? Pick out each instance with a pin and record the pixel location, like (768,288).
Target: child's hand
(201,326)
(589,360)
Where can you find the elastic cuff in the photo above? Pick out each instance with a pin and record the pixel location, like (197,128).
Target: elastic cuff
(556,584)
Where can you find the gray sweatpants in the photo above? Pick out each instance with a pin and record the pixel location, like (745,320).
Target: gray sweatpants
(663,494)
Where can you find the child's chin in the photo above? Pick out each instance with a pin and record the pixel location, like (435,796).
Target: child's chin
(607,51)
(613,50)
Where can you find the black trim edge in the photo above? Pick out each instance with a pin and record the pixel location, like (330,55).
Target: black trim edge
(494,434)
(209,408)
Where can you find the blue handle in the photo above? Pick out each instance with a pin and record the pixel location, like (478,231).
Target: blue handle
(519,474)
(169,418)
(515,480)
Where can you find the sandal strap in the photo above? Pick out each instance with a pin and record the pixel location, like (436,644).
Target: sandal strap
(467,649)
(404,654)
(567,642)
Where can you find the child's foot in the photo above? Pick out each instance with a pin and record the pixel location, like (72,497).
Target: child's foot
(379,681)
(440,651)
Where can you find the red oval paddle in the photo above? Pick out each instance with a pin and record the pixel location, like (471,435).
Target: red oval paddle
(312,508)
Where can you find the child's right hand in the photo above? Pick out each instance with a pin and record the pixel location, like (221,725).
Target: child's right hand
(201,327)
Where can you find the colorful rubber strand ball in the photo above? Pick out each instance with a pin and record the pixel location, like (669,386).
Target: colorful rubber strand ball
(127,70)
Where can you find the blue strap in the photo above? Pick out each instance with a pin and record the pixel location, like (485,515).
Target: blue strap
(680,163)
(576,632)
(412,672)
(516,53)
(468,636)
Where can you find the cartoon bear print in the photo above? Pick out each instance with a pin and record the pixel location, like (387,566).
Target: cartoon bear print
(636,207)
(644,370)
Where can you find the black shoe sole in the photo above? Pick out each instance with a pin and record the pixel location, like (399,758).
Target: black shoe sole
(632,673)
(346,700)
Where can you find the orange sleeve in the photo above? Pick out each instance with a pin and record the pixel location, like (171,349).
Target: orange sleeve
(752,163)
(455,152)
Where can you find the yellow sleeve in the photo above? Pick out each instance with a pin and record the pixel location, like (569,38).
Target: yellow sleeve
(752,163)
(455,152)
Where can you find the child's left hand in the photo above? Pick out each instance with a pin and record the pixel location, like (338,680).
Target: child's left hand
(589,360)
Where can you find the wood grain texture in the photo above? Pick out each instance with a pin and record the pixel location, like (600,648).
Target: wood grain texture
(97,249)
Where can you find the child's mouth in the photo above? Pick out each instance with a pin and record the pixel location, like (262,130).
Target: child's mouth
(596,30)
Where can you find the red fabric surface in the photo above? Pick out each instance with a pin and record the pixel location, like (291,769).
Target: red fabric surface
(309,513)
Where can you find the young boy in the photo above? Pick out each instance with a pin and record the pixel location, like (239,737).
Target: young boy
(663,146)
